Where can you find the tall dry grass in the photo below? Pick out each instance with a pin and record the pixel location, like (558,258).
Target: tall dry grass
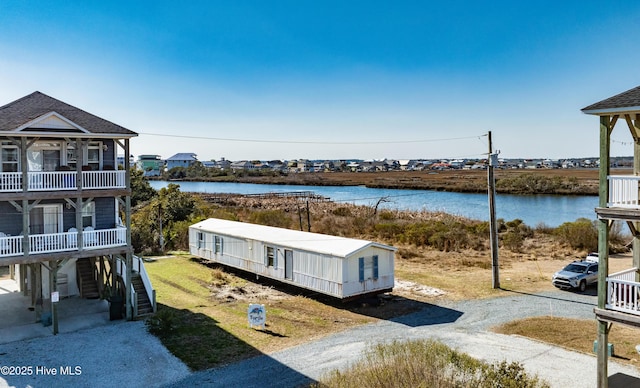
(427,363)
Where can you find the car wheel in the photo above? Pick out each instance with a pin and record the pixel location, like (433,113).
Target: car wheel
(583,286)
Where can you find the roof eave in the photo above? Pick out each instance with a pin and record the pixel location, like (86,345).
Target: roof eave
(612,111)
(68,134)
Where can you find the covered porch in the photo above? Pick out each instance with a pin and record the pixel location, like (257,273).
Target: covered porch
(618,201)
(19,321)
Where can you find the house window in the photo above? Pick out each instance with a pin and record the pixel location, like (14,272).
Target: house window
(89,215)
(92,155)
(199,240)
(217,244)
(270,257)
(10,158)
(71,156)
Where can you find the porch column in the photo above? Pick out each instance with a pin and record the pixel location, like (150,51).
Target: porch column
(635,131)
(37,291)
(603,250)
(22,279)
(127,221)
(79,162)
(127,285)
(53,287)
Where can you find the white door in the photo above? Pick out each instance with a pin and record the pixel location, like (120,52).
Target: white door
(45,219)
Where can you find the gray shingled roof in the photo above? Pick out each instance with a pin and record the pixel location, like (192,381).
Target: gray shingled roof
(628,101)
(21,111)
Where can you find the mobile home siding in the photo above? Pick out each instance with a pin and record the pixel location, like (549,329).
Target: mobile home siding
(334,274)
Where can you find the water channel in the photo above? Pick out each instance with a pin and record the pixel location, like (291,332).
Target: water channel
(551,210)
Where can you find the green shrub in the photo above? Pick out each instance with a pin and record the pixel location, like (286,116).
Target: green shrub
(276,218)
(580,234)
(342,212)
(512,240)
(163,323)
(387,215)
(388,230)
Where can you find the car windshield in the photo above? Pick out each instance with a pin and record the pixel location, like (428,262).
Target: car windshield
(575,268)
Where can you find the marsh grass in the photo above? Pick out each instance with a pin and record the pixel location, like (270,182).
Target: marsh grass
(427,363)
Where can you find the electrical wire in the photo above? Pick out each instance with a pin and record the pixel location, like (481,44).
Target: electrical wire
(311,142)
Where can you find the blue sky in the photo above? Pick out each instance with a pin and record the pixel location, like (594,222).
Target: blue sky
(331,79)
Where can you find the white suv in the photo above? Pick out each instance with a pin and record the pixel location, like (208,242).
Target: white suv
(578,274)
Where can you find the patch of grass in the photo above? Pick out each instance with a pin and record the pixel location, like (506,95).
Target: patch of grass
(205,332)
(427,363)
(576,334)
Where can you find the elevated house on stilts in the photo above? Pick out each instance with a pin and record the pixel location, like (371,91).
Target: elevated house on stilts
(618,293)
(66,206)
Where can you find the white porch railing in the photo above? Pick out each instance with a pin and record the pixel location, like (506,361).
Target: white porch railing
(61,242)
(103,179)
(10,181)
(62,180)
(623,191)
(623,292)
(51,180)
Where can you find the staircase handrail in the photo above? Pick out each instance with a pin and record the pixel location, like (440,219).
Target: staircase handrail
(151,293)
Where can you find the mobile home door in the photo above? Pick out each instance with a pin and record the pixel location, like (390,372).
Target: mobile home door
(288,264)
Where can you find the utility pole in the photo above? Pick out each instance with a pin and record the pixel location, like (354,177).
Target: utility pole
(161,240)
(493,227)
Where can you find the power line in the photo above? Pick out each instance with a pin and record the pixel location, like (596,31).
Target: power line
(311,142)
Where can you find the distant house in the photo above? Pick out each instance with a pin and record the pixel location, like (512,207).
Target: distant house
(241,165)
(181,160)
(151,165)
(208,163)
(223,164)
(407,164)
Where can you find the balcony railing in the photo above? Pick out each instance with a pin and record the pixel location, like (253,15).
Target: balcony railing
(623,292)
(62,180)
(623,191)
(62,242)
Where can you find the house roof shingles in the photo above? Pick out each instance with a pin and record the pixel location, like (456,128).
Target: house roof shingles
(19,112)
(628,101)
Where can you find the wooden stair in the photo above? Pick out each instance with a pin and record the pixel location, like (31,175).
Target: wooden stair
(144,304)
(86,283)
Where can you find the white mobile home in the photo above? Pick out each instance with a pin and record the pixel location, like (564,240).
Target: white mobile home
(337,266)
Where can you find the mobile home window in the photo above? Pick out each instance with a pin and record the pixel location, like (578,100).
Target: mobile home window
(217,245)
(200,240)
(270,256)
(368,268)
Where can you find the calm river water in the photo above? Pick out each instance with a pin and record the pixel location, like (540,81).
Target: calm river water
(551,210)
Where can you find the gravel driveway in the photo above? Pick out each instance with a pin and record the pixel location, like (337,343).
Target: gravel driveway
(135,358)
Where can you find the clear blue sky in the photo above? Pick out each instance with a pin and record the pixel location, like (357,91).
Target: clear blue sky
(331,79)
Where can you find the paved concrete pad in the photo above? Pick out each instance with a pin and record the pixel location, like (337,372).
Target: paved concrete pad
(18,320)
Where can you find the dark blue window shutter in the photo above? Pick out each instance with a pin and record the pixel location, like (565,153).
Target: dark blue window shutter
(361,268)
(375,266)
